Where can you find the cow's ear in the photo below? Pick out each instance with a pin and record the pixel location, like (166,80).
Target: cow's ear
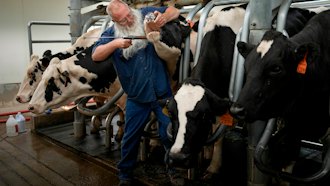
(47,53)
(185,30)
(244,48)
(219,105)
(34,57)
(309,50)
(55,60)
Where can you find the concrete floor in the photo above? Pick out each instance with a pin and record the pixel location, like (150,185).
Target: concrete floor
(35,158)
(51,156)
(28,159)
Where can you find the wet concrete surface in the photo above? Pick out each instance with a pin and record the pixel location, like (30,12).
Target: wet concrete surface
(53,156)
(29,159)
(151,171)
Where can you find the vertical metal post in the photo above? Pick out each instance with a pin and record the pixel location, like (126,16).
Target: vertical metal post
(185,62)
(75,19)
(79,127)
(260,22)
(260,19)
(255,176)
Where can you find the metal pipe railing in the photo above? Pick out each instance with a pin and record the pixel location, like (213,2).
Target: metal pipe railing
(184,65)
(311,4)
(92,21)
(236,77)
(31,41)
(75,19)
(101,110)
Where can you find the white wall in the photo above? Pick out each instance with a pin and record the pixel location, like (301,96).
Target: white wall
(14,18)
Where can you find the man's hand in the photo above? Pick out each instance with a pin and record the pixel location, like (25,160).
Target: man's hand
(156,24)
(123,43)
(151,26)
(160,19)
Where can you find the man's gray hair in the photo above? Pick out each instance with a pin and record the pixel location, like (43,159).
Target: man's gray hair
(114,3)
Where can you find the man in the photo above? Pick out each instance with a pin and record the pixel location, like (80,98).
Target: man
(142,75)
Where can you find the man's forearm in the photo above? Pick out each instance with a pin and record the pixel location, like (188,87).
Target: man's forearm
(171,13)
(102,52)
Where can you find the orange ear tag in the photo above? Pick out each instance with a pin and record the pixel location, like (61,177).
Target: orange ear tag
(302,65)
(165,111)
(191,23)
(226,119)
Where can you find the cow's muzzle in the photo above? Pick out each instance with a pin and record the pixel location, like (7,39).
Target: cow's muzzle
(22,99)
(34,109)
(238,111)
(180,160)
(19,99)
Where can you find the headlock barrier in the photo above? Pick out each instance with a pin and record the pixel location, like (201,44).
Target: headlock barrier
(257,21)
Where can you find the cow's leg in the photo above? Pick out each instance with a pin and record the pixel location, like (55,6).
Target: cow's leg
(97,120)
(120,123)
(169,54)
(216,160)
(154,142)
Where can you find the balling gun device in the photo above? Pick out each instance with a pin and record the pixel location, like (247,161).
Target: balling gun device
(114,37)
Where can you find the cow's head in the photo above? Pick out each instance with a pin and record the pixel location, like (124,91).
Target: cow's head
(37,66)
(35,70)
(67,80)
(192,111)
(33,76)
(174,33)
(273,71)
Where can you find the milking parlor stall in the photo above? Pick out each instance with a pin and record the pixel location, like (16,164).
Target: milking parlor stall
(62,116)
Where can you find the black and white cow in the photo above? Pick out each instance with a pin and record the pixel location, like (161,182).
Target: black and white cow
(78,76)
(38,65)
(209,81)
(289,78)
(213,69)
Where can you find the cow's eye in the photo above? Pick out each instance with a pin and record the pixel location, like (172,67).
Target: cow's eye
(275,70)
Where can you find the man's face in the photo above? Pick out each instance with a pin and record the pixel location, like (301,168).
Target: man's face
(123,16)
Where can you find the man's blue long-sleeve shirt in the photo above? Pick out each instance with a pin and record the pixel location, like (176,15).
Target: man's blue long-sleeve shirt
(143,76)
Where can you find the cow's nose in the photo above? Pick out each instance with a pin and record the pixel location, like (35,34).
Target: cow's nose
(237,111)
(31,107)
(18,99)
(180,160)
